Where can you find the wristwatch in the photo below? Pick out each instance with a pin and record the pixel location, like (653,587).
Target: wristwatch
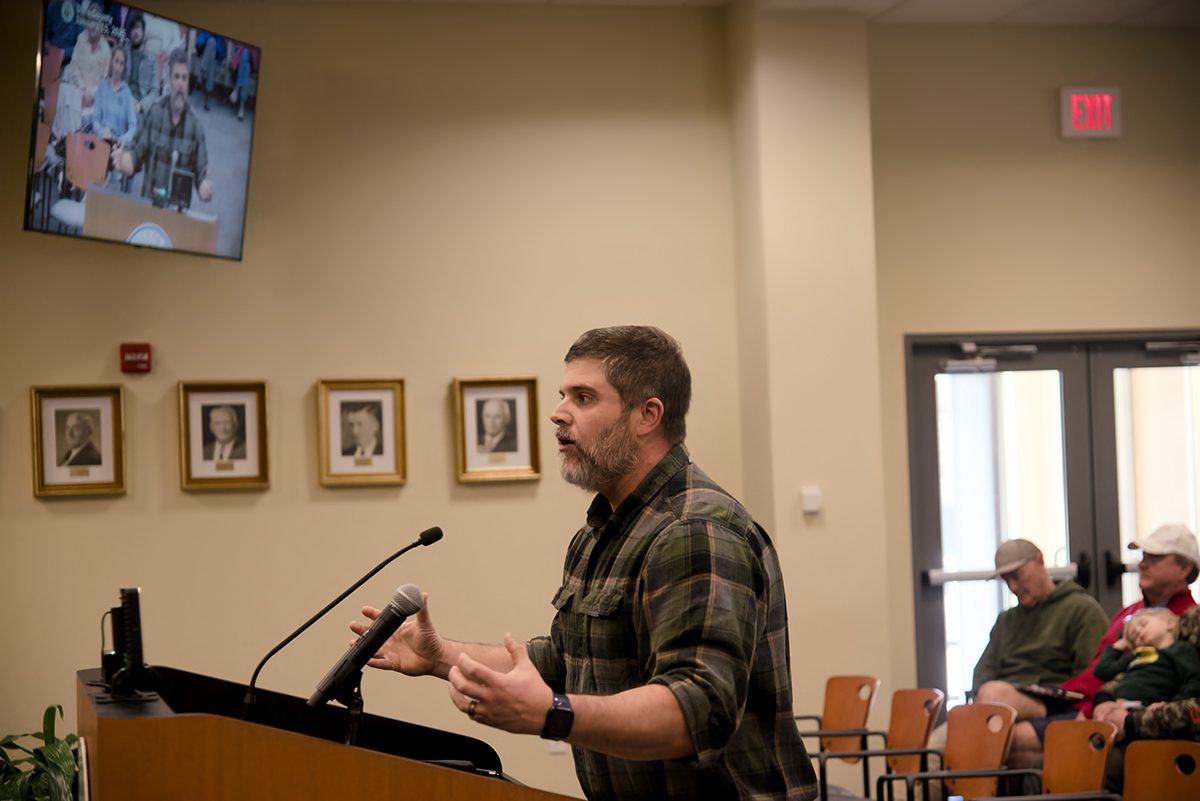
(558,719)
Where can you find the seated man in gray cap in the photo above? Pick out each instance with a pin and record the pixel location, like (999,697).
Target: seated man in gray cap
(1045,639)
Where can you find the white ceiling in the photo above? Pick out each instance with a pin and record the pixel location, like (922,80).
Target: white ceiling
(903,12)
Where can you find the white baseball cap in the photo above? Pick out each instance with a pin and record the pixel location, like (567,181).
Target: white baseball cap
(1173,538)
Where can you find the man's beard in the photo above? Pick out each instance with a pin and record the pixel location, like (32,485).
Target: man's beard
(178,102)
(598,466)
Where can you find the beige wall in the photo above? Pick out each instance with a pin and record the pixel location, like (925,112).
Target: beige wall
(988,221)
(464,189)
(810,360)
(808,274)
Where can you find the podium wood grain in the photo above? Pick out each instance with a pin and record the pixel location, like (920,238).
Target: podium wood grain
(203,757)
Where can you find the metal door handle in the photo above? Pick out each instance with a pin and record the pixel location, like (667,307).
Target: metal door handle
(1114,568)
(1083,571)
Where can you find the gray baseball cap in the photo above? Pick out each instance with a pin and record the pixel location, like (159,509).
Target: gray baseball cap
(1012,554)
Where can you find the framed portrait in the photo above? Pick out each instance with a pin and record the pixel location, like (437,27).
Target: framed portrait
(223,436)
(78,440)
(496,435)
(361,432)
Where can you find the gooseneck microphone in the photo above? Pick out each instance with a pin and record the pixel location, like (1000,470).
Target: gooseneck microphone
(405,602)
(427,537)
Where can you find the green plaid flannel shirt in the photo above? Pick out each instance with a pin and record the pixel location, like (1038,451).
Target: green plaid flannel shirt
(157,138)
(679,587)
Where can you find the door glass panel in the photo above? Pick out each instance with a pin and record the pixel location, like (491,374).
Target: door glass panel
(1157,412)
(1001,476)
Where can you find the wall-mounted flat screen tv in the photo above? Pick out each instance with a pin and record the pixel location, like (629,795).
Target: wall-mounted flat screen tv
(142,129)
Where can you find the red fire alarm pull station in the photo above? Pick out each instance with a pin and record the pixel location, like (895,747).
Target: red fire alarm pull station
(135,357)
(1090,112)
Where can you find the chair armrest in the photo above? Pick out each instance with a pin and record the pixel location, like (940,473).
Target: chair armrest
(843,733)
(821,756)
(912,778)
(886,752)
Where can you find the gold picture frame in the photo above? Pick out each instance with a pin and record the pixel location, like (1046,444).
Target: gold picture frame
(78,440)
(223,435)
(360,431)
(496,433)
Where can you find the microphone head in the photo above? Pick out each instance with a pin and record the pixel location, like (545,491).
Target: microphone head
(430,535)
(407,600)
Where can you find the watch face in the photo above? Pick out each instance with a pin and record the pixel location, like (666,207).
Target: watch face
(558,719)
(558,723)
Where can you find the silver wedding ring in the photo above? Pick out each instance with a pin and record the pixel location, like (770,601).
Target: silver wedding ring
(471,708)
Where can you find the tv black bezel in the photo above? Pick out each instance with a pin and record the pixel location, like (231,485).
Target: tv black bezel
(43,5)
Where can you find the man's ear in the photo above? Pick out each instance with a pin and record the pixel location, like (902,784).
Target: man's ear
(652,411)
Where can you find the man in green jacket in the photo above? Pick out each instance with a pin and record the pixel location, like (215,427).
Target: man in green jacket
(1043,641)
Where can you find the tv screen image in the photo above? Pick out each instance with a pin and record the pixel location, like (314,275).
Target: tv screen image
(142,129)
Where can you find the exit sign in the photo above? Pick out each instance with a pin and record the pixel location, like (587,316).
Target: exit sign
(1091,112)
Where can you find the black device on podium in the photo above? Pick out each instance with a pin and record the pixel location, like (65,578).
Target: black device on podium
(124,672)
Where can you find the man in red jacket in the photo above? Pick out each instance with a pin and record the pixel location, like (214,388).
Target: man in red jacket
(1170,562)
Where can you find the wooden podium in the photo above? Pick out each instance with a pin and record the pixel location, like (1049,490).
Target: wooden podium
(125,218)
(187,742)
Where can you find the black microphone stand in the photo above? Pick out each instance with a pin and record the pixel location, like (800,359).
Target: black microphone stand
(427,537)
(350,696)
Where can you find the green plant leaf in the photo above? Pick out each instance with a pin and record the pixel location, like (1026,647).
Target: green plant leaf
(39,786)
(60,787)
(48,772)
(21,787)
(48,721)
(59,757)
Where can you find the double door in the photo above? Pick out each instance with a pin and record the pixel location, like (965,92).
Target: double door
(1079,443)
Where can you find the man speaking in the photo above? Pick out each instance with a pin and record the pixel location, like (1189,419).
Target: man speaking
(666,666)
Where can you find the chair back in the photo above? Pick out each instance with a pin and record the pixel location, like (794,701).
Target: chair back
(848,701)
(1076,753)
(87,159)
(1162,769)
(913,715)
(977,738)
